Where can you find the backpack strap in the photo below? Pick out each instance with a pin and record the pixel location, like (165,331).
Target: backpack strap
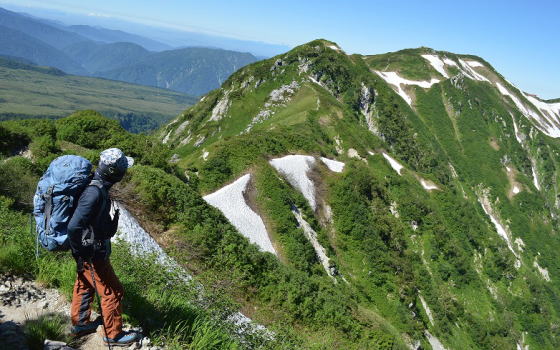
(47,197)
(104,195)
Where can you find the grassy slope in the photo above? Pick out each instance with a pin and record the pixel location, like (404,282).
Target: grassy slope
(37,94)
(464,257)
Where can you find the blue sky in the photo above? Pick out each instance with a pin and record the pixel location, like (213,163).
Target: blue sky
(521,39)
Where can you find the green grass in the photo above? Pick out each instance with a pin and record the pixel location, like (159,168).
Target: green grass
(31,94)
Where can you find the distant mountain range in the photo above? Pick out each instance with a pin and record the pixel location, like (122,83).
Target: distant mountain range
(117,55)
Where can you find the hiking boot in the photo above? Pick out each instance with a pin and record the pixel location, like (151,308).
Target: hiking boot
(91,327)
(123,339)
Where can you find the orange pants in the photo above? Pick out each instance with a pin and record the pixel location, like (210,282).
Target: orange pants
(109,289)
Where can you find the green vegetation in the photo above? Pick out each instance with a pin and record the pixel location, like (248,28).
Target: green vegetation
(32,92)
(409,259)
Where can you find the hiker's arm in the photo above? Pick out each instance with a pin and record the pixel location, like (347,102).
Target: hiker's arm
(86,210)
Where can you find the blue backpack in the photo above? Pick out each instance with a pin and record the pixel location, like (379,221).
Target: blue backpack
(54,202)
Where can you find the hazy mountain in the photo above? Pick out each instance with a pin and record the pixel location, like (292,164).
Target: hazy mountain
(194,71)
(19,44)
(41,31)
(116,36)
(96,56)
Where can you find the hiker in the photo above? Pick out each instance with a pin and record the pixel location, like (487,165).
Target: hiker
(92,223)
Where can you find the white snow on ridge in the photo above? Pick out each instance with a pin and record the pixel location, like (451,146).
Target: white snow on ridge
(396,80)
(500,228)
(140,241)
(467,69)
(334,47)
(394,164)
(551,123)
(437,63)
(333,165)
(428,185)
(295,169)
(535,174)
(231,202)
(311,235)
(434,342)
(474,64)
(427,309)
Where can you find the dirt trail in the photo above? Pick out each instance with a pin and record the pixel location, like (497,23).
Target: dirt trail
(22,299)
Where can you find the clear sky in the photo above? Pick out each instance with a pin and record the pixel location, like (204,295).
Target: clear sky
(521,39)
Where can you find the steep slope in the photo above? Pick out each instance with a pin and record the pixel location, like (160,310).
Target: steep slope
(194,71)
(442,227)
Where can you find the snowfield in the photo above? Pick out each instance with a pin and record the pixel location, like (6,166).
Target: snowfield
(550,124)
(437,63)
(502,230)
(231,202)
(394,164)
(311,235)
(427,309)
(295,169)
(428,185)
(474,64)
(396,80)
(434,342)
(333,165)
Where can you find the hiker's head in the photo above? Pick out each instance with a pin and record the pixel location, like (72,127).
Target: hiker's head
(113,165)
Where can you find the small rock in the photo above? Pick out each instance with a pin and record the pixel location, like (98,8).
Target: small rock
(55,345)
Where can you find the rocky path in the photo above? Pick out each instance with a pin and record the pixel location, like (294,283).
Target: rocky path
(22,299)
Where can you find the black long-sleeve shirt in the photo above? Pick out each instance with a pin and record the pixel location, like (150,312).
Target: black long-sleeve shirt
(92,211)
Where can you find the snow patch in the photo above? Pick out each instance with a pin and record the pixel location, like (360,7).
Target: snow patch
(295,169)
(334,47)
(542,271)
(516,189)
(437,63)
(394,164)
(428,185)
(231,202)
(434,342)
(467,70)
(502,229)
(550,125)
(205,155)
(427,309)
(474,64)
(140,241)
(394,79)
(333,165)
(311,235)
(535,174)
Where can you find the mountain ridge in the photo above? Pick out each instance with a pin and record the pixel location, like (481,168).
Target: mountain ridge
(445,124)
